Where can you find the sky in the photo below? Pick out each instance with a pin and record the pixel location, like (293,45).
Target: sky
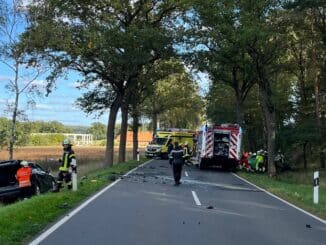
(60,105)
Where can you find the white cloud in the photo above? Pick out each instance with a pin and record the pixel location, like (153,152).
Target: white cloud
(73,85)
(43,107)
(39,83)
(5,78)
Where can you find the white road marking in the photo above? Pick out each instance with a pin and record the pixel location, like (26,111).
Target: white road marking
(186,174)
(224,186)
(48,232)
(282,200)
(194,195)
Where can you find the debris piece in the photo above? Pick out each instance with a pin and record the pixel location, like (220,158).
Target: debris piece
(308,226)
(63,205)
(112,177)
(210,207)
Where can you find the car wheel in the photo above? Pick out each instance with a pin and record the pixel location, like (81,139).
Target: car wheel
(37,190)
(55,187)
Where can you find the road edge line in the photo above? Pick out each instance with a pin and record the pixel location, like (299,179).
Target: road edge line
(194,195)
(282,200)
(63,220)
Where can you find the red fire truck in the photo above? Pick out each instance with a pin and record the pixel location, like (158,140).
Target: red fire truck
(219,145)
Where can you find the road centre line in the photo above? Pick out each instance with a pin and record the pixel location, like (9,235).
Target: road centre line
(282,200)
(186,174)
(194,195)
(48,232)
(198,182)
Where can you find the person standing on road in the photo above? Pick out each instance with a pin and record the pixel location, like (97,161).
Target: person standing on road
(169,149)
(177,156)
(24,178)
(68,164)
(186,152)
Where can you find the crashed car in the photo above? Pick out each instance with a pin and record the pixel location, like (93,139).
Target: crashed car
(42,180)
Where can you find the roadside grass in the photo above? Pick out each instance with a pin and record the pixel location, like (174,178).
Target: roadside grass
(294,186)
(21,221)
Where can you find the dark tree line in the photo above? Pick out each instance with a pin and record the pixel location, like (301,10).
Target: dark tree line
(265,59)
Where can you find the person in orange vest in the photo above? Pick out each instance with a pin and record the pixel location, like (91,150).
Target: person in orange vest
(24,178)
(68,164)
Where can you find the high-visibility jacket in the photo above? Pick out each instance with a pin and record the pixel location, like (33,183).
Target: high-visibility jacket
(23,176)
(66,160)
(259,160)
(186,151)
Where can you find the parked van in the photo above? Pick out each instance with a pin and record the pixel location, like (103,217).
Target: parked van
(159,148)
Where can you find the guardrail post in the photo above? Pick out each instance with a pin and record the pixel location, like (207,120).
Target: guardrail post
(316,187)
(74,180)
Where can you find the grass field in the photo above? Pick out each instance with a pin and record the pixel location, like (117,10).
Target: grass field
(295,187)
(48,153)
(88,157)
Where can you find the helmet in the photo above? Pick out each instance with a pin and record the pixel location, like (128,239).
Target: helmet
(24,163)
(186,143)
(66,142)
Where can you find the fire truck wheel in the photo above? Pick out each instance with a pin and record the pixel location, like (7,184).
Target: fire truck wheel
(201,164)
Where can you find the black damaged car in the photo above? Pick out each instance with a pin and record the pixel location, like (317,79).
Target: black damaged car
(42,180)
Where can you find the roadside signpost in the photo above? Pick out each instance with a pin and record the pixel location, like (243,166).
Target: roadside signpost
(316,186)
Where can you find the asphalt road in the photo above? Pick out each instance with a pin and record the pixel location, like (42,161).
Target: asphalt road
(209,207)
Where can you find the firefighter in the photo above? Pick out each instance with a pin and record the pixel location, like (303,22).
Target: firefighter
(170,148)
(186,154)
(280,163)
(260,161)
(68,164)
(24,178)
(177,157)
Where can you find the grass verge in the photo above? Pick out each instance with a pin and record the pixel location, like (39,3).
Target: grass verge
(21,221)
(295,187)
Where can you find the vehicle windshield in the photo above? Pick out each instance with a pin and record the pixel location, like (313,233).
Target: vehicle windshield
(159,141)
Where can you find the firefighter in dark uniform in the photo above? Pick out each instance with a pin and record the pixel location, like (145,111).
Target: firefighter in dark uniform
(170,148)
(68,164)
(177,156)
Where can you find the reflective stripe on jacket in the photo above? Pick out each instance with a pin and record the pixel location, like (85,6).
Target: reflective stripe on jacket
(24,176)
(66,160)
(178,156)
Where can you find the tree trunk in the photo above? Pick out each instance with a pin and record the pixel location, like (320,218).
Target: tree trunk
(154,118)
(123,134)
(14,116)
(302,76)
(239,111)
(110,133)
(315,74)
(135,126)
(305,155)
(269,114)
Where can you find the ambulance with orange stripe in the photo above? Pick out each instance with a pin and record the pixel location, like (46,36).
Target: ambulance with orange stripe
(159,146)
(219,145)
